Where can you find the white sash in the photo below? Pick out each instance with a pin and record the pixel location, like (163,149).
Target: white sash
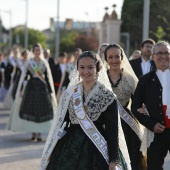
(136,127)
(88,126)
(37,70)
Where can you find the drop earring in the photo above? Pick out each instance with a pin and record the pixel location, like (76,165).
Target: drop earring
(97,76)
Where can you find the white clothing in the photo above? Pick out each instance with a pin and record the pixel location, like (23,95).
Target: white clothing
(145,66)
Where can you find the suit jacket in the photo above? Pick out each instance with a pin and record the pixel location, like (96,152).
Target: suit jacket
(57,75)
(149,92)
(136,66)
(51,62)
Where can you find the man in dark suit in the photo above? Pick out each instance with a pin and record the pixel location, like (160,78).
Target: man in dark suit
(60,74)
(144,64)
(48,58)
(153,90)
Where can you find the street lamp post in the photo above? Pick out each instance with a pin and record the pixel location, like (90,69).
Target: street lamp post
(10,31)
(146,8)
(57,31)
(26,26)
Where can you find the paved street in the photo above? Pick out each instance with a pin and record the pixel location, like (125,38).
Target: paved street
(18,152)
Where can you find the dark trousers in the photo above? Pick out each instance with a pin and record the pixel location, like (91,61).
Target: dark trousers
(158,150)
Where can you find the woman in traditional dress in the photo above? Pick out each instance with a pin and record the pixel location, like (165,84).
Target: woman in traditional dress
(19,67)
(35,102)
(85,134)
(123,82)
(3,90)
(9,73)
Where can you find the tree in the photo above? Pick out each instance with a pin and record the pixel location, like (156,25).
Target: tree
(87,42)
(35,36)
(132,16)
(67,40)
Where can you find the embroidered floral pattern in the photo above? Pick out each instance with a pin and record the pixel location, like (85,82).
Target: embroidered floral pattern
(123,91)
(96,102)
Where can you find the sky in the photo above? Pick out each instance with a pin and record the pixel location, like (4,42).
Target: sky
(40,11)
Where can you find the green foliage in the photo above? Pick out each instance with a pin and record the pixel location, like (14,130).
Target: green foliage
(35,36)
(132,16)
(67,41)
(3,46)
(159,34)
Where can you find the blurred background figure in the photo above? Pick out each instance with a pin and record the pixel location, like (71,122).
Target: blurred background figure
(135,54)
(47,55)
(35,103)
(19,68)
(10,72)
(1,66)
(60,75)
(71,65)
(144,64)
(101,50)
(3,90)
(11,65)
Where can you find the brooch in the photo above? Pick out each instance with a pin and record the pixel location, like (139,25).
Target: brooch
(77,102)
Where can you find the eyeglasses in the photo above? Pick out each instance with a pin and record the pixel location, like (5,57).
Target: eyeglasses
(160,54)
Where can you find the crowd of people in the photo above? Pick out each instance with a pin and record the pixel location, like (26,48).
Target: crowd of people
(101,110)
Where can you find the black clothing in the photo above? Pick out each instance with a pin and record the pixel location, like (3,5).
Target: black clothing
(16,81)
(8,72)
(36,104)
(77,145)
(158,150)
(133,142)
(149,92)
(51,62)
(57,76)
(136,66)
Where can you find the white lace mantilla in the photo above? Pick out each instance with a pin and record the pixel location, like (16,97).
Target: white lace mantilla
(52,138)
(96,102)
(40,64)
(124,90)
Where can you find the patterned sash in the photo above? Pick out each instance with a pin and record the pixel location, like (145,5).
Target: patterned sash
(37,71)
(136,126)
(88,126)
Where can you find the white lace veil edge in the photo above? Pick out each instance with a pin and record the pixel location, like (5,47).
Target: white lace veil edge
(62,109)
(130,75)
